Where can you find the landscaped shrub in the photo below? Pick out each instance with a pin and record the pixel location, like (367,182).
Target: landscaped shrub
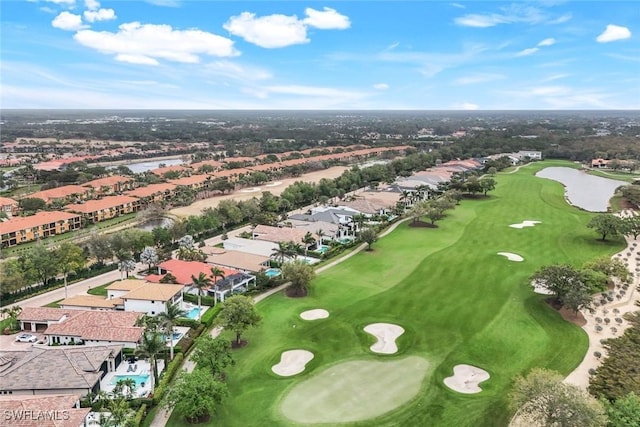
(142,411)
(187,341)
(166,378)
(204,299)
(209,315)
(184,321)
(597,354)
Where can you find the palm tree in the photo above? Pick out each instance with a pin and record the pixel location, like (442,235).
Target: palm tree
(320,234)
(12,313)
(152,345)
(216,273)
(308,240)
(201,282)
(168,320)
(281,252)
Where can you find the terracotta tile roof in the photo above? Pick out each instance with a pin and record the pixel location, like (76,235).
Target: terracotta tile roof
(125,285)
(167,169)
(154,292)
(97,205)
(25,222)
(5,201)
(226,258)
(151,189)
(367,206)
(190,180)
(58,193)
(108,181)
(183,270)
(55,368)
(213,163)
(278,234)
(230,172)
(239,160)
(100,325)
(43,314)
(90,301)
(61,406)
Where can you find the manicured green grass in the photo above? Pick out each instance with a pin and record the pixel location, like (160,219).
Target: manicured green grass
(54,304)
(99,290)
(621,176)
(458,301)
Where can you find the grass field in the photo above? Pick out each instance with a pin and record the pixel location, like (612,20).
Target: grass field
(458,301)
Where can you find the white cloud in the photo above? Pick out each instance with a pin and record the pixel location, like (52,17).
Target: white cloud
(270,31)
(99,15)
(478,78)
(63,2)
(381,86)
(555,77)
(514,13)
(68,21)
(613,33)
(465,106)
(165,3)
(327,19)
(527,52)
(457,5)
(235,71)
(275,31)
(92,4)
(146,43)
(547,42)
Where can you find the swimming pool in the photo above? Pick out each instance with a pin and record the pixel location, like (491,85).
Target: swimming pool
(272,272)
(176,336)
(139,379)
(193,313)
(322,249)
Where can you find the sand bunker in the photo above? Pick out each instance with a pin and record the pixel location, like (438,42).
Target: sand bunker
(386,333)
(511,257)
(526,223)
(539,289)
(250,190)
(274,184)
(316,314)
(466,378)
(292,362)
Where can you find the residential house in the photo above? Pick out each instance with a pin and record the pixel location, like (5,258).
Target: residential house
(278,234)
(532,155)
(153,193)
(43,411)
(193,182)
(57,370)
(106,208)
(152,298)
(242,261)
(8,206)
(342,217)
(62,194)
(68,326)
(599,163)
(161,172)
(91,302)
(111,185)
(249,246)
(234,280)
(39,226)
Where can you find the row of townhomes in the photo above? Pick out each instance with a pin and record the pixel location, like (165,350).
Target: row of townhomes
(110,197)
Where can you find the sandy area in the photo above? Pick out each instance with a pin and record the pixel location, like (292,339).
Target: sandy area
(386,334)
(525,223)
(292,362)
(539,289)
(511,256)
(612,311)
(315,314)
(275,188)
(466,378)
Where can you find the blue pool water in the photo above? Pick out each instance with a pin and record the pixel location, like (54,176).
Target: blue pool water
(139,379)
(193,313)
(272,272)
(322,249)
(176,336)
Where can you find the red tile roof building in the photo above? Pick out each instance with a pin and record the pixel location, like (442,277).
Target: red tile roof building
(41,225)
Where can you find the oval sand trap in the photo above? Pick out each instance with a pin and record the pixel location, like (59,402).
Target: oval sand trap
(274,184)
(316,314)
(526,223)
(386,333)
(292,362)
(466,378)
(511,257)
(354,391)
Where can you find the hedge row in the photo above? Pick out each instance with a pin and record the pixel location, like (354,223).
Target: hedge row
(209,316)
(168,375)
(140,414)
(205,299)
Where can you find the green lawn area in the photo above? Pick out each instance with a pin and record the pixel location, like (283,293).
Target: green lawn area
(458,301)
(54,304)
(99,290)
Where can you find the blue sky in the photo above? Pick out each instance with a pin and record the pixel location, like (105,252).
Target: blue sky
(465,55)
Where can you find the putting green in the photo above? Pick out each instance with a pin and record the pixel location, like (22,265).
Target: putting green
(354,391)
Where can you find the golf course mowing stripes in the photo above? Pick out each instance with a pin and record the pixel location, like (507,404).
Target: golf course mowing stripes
(354,391)
(457,300)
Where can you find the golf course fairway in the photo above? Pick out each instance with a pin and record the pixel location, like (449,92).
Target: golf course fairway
(457,300)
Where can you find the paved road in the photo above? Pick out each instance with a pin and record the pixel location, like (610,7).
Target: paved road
(77,288)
